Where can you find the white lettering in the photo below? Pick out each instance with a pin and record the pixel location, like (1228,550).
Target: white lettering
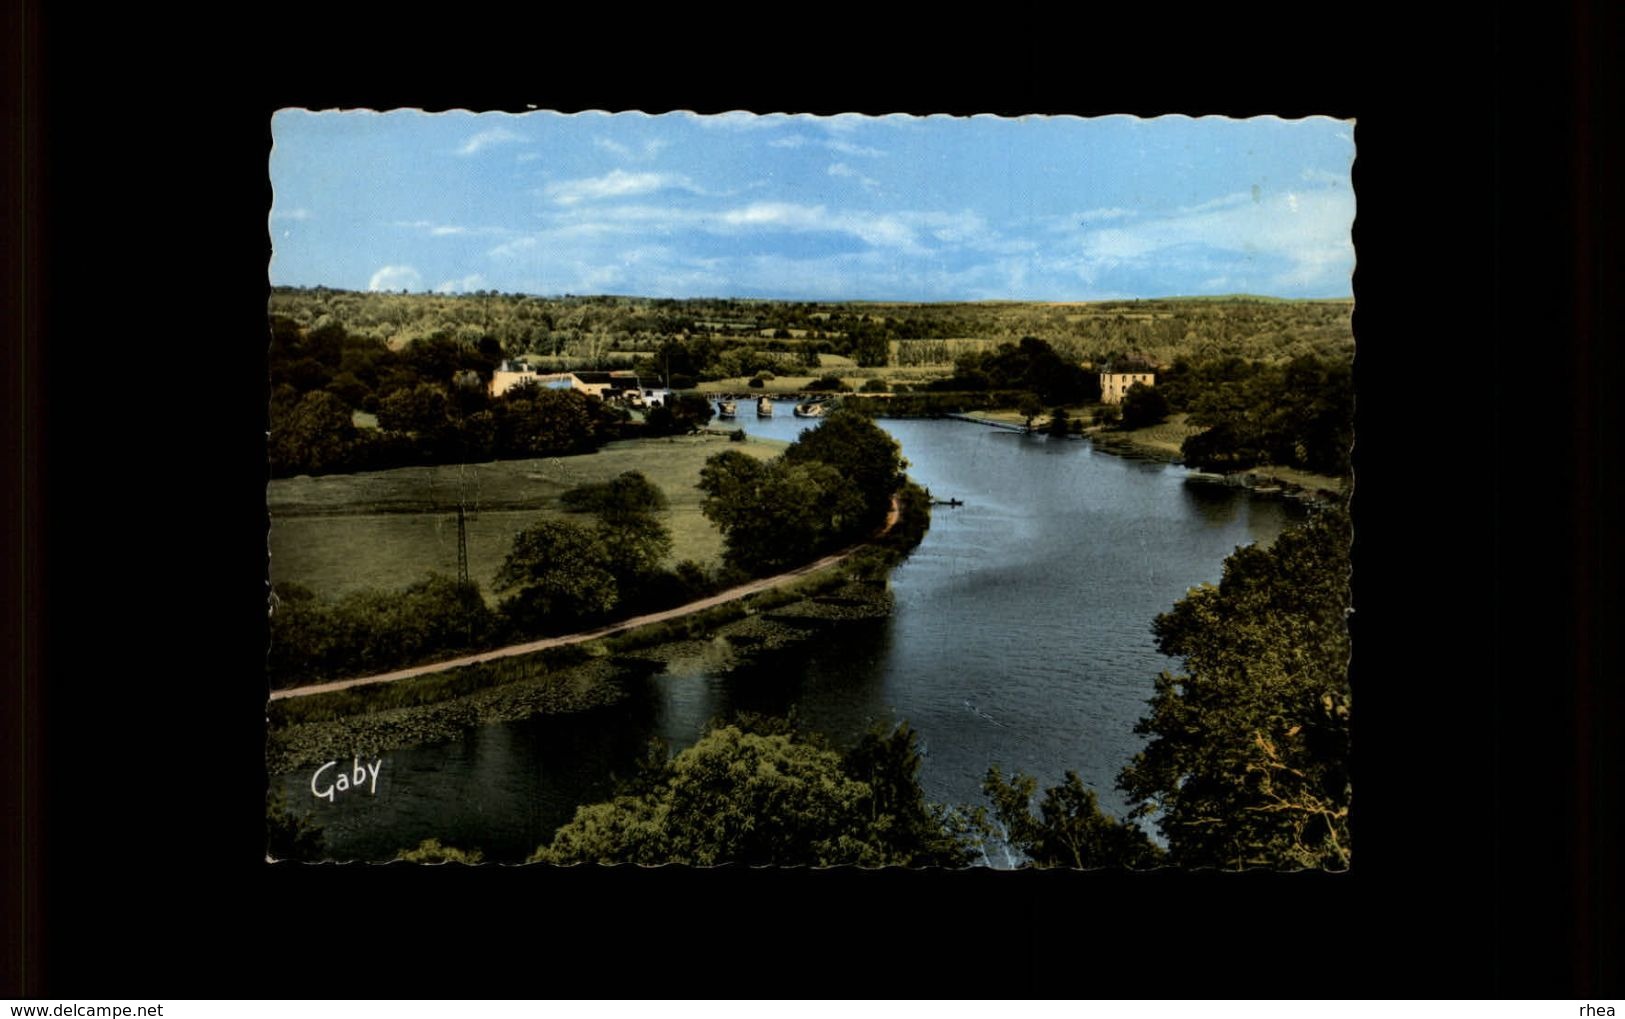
(328,795)
(358,776)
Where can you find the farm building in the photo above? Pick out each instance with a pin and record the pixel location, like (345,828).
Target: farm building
(1115,382)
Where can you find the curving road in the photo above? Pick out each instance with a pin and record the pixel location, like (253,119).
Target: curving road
(731,594)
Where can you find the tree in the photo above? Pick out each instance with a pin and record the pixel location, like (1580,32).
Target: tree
(556,576)
(545,422)
(636,546)
(682,414)
(1247,763)
(1071,829)
(860,450)
(431,851)
(1029,407)
(1143,406)
(769,798)
(628,493)
(779,514)
(316,436)
(1060,423)
(422,410)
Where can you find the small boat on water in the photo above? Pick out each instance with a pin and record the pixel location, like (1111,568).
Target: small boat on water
(727,408)
(764,408)
(811,409)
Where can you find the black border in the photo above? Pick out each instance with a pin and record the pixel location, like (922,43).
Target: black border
(1464,884)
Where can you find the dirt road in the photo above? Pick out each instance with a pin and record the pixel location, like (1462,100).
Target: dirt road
(732,594)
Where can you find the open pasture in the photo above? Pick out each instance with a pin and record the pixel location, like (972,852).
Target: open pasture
(387,529)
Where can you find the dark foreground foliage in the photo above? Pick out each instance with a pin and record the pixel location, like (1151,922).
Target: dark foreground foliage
(1248,763)
(762,795)
(1248,759)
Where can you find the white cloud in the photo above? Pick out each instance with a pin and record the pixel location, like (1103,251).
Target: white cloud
(878,230)
(740,120)
(614,184)
(486,139)
(845,148)
(842,122)
(297,215)
(1318,176)
(648,150)
(473,281)
(1098,215)
(434,229)
(513,247)
(1308,230)
(849,149)
(395,277)
(900,232)
(528,157)
(842,170)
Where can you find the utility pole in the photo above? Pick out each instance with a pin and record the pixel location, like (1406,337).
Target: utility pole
(462,545)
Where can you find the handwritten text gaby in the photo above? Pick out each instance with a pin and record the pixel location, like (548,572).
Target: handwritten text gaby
(325,786)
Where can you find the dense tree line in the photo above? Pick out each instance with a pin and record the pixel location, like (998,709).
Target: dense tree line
(591,332)
(1031,366)
(1300,414)
(831,487)
(373,631)
(431,402)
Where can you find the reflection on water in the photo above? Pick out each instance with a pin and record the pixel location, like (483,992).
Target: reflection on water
(1021,637)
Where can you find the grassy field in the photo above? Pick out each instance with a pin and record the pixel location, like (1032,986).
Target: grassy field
(386,529)
(1164,438)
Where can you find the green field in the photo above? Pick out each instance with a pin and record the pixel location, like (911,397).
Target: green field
(1167,437)
(386,529)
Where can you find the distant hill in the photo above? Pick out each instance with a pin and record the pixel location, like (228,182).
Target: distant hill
(595,330)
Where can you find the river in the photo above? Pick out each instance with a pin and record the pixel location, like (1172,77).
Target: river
(1021,637)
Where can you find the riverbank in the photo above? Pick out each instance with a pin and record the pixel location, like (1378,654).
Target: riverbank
(586,675)
(1164,442)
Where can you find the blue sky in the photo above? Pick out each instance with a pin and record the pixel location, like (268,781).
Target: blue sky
(807,208)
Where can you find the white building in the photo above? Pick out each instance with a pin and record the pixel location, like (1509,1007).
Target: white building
(1113,384)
